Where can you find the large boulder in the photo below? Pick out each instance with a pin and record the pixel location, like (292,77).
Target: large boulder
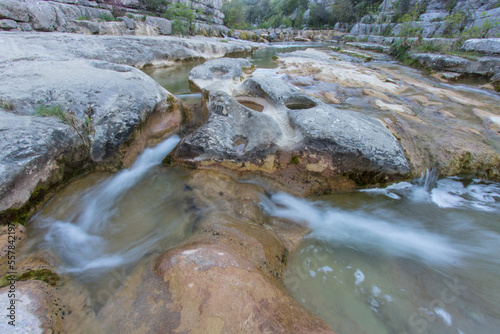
(108,101)
(271,127)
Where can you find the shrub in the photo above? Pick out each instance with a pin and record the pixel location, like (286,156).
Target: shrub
(387,31)
(7,105)
(82,18)
(454,24)
(107,17)
(349,39)
(183,17)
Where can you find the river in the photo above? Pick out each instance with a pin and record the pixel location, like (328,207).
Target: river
(415,257)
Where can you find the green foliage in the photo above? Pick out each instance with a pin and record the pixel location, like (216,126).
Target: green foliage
(154,5)
(349,39)
(234,12)
(183,18)
(107,17)
(450,5)
(477,32)
(82,18)
(44,275)
(294,160)
(428,47)
(55,111)
(436,19)
(130,16)
(400,49)
(7,105)
(404,7)
(387,31)
(497,4)
(287,22)
(454,24)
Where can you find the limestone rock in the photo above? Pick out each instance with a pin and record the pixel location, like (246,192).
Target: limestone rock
(220,72)
(490,46)
(432,137)
(114,98)
(254,124)
(236,253)
(38,309)
(131,50)
(31,152)
(163,26)
(8,24)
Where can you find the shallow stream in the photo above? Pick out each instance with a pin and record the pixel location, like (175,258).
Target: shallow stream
(415,257)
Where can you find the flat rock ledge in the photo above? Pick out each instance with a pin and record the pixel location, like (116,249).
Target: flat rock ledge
(268,127)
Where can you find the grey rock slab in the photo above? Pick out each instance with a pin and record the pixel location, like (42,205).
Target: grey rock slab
(287,120)
(116,97)
(14,10)
(131,50)
(29,150)
(220,71)
(490,46)
(163,26)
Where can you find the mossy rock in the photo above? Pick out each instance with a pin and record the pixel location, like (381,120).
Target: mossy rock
(44,275)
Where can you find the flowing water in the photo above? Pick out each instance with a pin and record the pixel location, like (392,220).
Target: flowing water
(415,257)
(103,223)
(420,257)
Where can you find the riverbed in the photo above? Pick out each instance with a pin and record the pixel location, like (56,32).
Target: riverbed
(415,257)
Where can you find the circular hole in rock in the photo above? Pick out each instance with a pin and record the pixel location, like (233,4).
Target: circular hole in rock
(299,103)
(251,104)
(219,70)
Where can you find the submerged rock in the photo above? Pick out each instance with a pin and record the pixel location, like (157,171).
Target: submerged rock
(226,278)
(268,126)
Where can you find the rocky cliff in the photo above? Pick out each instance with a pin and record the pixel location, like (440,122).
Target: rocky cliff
(432,18)
(109,17)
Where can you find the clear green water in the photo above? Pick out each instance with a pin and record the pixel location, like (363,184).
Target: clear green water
(412,258)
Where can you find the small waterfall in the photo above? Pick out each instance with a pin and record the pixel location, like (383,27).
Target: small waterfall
(81,240)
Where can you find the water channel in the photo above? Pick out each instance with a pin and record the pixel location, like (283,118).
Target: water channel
(415,257)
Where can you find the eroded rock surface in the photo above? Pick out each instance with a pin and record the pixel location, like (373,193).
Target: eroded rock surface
(438,127)
(268,126)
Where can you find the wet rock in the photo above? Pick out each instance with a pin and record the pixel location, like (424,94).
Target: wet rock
(222,73)
(271,127)
(37,309)
(236,254)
